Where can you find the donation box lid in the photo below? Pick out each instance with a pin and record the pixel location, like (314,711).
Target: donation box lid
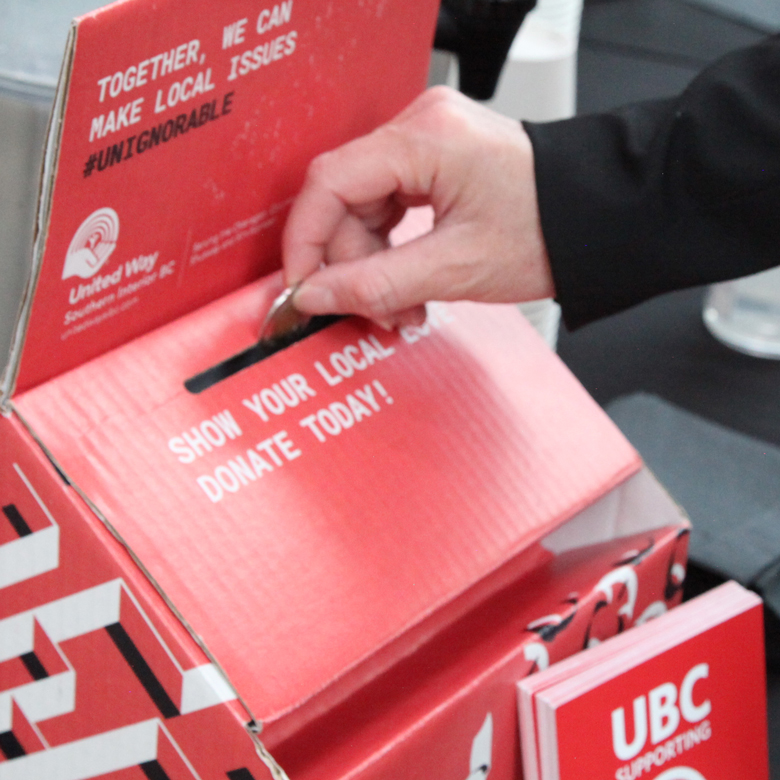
(180,132)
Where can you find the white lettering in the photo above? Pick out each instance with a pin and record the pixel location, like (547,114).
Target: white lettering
(122,116)
(277,16)
(285,394)
(358,409)
(211,488)
(168,58)
(141,264)
(255,405)
(103,83)
(660,709)
(664,715)
(339,416)
(115,85)
(353,358)
(203,438)
(227,479)
(367,395)
(263,54)
(624,749)
(310,422)
(271,401)
(234,33)
(130,78)
(184,91)
(96,285)
(116,119)
(691,712)
(135,76)
(669,750)
(331,380)
(242,470)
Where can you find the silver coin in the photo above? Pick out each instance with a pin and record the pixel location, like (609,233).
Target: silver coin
(283,319)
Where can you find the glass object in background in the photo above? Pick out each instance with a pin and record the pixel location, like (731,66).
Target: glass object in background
(539,83)
(745,313)
(539,79)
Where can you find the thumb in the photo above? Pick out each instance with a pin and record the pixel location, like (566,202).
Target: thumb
(449,263)
(379,287)
(371,287)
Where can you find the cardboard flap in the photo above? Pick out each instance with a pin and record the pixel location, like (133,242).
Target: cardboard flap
(180,134)
(309,510)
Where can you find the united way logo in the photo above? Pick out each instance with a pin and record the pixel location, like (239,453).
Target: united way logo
(92,245)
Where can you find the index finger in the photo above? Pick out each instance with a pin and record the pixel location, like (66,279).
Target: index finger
(363,172)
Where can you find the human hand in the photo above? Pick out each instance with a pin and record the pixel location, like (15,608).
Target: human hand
(473,166)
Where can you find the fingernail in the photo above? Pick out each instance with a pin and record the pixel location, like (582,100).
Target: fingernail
(314,299)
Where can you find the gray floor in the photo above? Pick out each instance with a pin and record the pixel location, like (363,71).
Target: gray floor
(634,50)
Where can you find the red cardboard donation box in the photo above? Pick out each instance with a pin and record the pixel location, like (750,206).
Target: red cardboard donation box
(332,562)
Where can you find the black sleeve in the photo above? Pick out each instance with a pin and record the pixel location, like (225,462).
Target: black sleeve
(668,194)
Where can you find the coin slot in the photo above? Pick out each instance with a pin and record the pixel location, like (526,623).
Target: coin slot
(254,354)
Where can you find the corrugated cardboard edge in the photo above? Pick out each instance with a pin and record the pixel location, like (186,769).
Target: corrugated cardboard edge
(254,727)
(645,489)
(51,157)
(496,578)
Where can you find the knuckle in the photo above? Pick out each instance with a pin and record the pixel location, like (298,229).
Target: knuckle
(440,95)
(409,158)
(446,118)
(320,167)
(375,294)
